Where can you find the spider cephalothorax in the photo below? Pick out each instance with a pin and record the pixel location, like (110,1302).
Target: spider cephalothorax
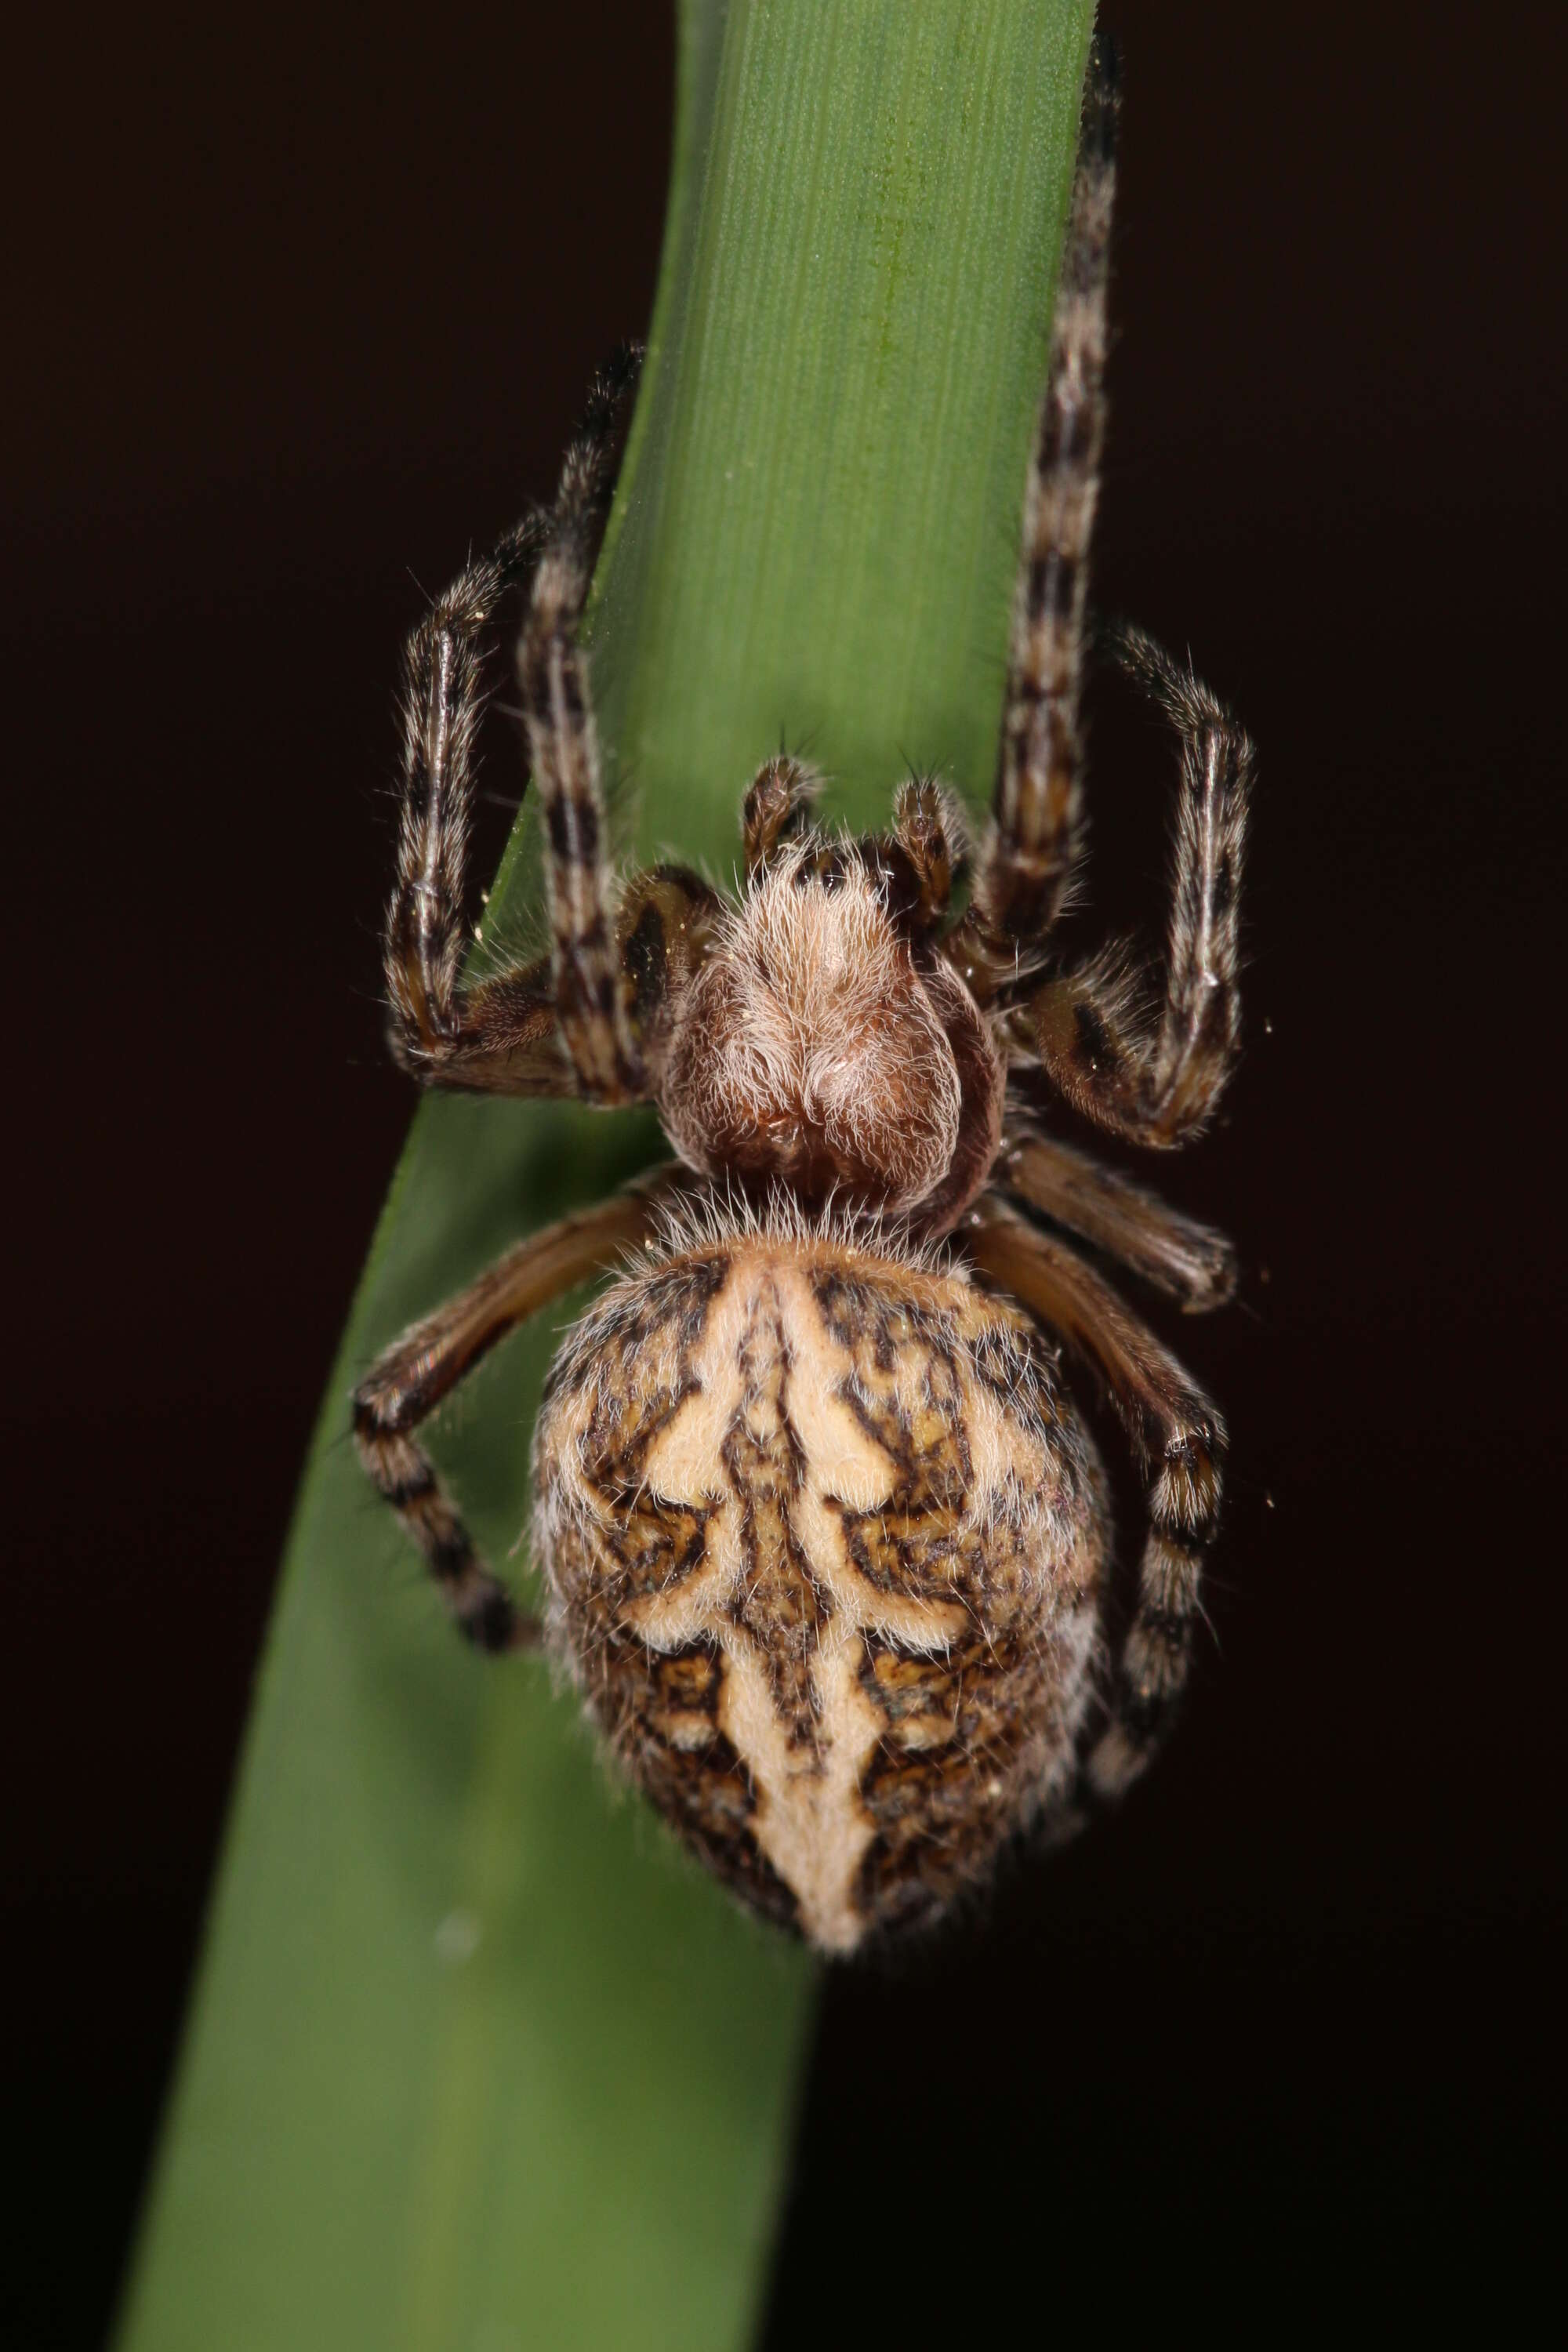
(824,1046)
(824,1542)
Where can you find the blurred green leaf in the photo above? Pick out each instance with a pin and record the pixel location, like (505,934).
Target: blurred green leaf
(477,2058)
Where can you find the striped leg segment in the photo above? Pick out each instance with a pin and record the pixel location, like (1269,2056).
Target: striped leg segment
(1156,1080)
(405,1385)
(565,1023)
(499,1036)
(593,999)
(1178,1439)
(1032,841)
(1188,1261)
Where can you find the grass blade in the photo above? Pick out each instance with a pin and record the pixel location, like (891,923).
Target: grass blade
(476,2058)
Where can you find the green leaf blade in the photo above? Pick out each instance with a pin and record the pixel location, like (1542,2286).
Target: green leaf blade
(857,415)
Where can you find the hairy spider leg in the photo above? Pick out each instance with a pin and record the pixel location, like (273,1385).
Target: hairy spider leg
(593,997)
(406,1383)
(1178,1438)
(523,1030)
(1032,840)
(498,1034)
(1156,1082)
(1188,1261)
(502,1033)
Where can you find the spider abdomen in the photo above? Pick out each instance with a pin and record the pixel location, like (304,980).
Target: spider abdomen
(823,1542)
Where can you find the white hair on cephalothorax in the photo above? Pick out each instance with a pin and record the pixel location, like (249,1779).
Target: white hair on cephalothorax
(810,1017)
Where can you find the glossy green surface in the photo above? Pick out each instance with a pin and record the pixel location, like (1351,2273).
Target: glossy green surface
(477,2059)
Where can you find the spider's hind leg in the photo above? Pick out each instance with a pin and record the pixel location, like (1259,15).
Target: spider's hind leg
(406,1383)
(1179,1441)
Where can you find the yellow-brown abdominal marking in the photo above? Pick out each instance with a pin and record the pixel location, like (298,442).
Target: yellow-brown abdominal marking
(822,1543)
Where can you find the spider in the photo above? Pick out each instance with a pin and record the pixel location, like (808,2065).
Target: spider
(824,1542)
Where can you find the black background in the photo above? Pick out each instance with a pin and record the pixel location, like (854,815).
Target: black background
(303,312)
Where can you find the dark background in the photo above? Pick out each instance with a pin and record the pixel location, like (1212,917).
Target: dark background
(300,315)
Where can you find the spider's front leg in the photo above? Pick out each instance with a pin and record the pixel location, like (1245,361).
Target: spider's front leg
(1157,1084)
(593,998)
(1031,844)
(497,1035)
(407,1382)
(1179,1441)
(564,1024)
